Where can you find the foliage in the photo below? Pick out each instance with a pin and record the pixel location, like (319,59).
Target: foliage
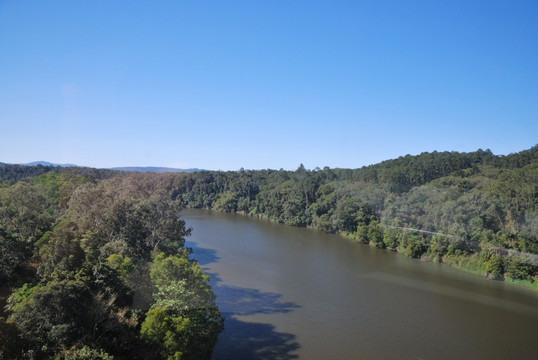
(54,316)
(439,204)
(86,247)
(10,339)
(184,321)
(96,264)
(85,353)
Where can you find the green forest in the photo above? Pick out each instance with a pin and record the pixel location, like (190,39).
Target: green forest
(94,266)
(476,211)
(94,263)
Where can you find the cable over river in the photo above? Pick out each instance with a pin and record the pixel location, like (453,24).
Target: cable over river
(295,293)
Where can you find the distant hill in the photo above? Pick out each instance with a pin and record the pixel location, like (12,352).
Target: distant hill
(46,163)
(154,169)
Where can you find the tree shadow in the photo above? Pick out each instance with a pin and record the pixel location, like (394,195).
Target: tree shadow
(203,256)
(235,300)
(241,340)
(246,340)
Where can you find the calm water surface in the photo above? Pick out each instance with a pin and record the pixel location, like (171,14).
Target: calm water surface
(295,293)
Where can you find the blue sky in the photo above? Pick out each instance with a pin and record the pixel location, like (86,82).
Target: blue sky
(264,84)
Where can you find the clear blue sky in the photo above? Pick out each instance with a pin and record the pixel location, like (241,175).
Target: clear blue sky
(264,84)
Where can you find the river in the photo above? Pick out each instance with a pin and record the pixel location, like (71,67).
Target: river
(295,293)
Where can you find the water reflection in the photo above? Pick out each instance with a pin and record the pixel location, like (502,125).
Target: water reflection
(452,292)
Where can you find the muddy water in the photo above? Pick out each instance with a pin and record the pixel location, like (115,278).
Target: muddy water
(294,293)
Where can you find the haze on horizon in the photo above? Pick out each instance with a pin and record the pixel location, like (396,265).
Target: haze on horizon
(264,85)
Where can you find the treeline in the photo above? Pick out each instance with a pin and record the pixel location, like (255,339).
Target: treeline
(10,174)
(97,269)
(94,266)
(466,209)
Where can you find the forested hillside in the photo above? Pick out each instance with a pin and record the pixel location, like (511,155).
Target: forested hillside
(94,266)
(97,269)
(473,210)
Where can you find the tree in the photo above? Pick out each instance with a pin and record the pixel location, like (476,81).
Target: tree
(53,316)
(62,252)
(23,212)
(375,235)
(86,353)
(14,253)
(391,238)
(10,339)
(518,269)
(345,214)
(184,321)
(226,202)
(494,266)
(160,216)
(414,245)
(23,220)
(362,234)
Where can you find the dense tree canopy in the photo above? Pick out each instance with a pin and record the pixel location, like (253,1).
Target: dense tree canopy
(80,255)
(451,207)
(96,268)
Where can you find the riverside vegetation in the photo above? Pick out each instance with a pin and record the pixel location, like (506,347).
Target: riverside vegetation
(96,268)
(473,210)
(94,264)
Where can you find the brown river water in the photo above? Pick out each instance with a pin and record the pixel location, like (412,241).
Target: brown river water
(295,293)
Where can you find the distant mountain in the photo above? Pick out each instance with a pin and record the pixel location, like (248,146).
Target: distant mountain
(154,169)
(46,163)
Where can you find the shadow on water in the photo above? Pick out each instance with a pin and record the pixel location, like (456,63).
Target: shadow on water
(202,255)
(250,340)
(240,339)
(243,301)
(243,340)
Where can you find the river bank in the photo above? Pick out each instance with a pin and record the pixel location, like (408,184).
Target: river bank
(473,263)
(290,292)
